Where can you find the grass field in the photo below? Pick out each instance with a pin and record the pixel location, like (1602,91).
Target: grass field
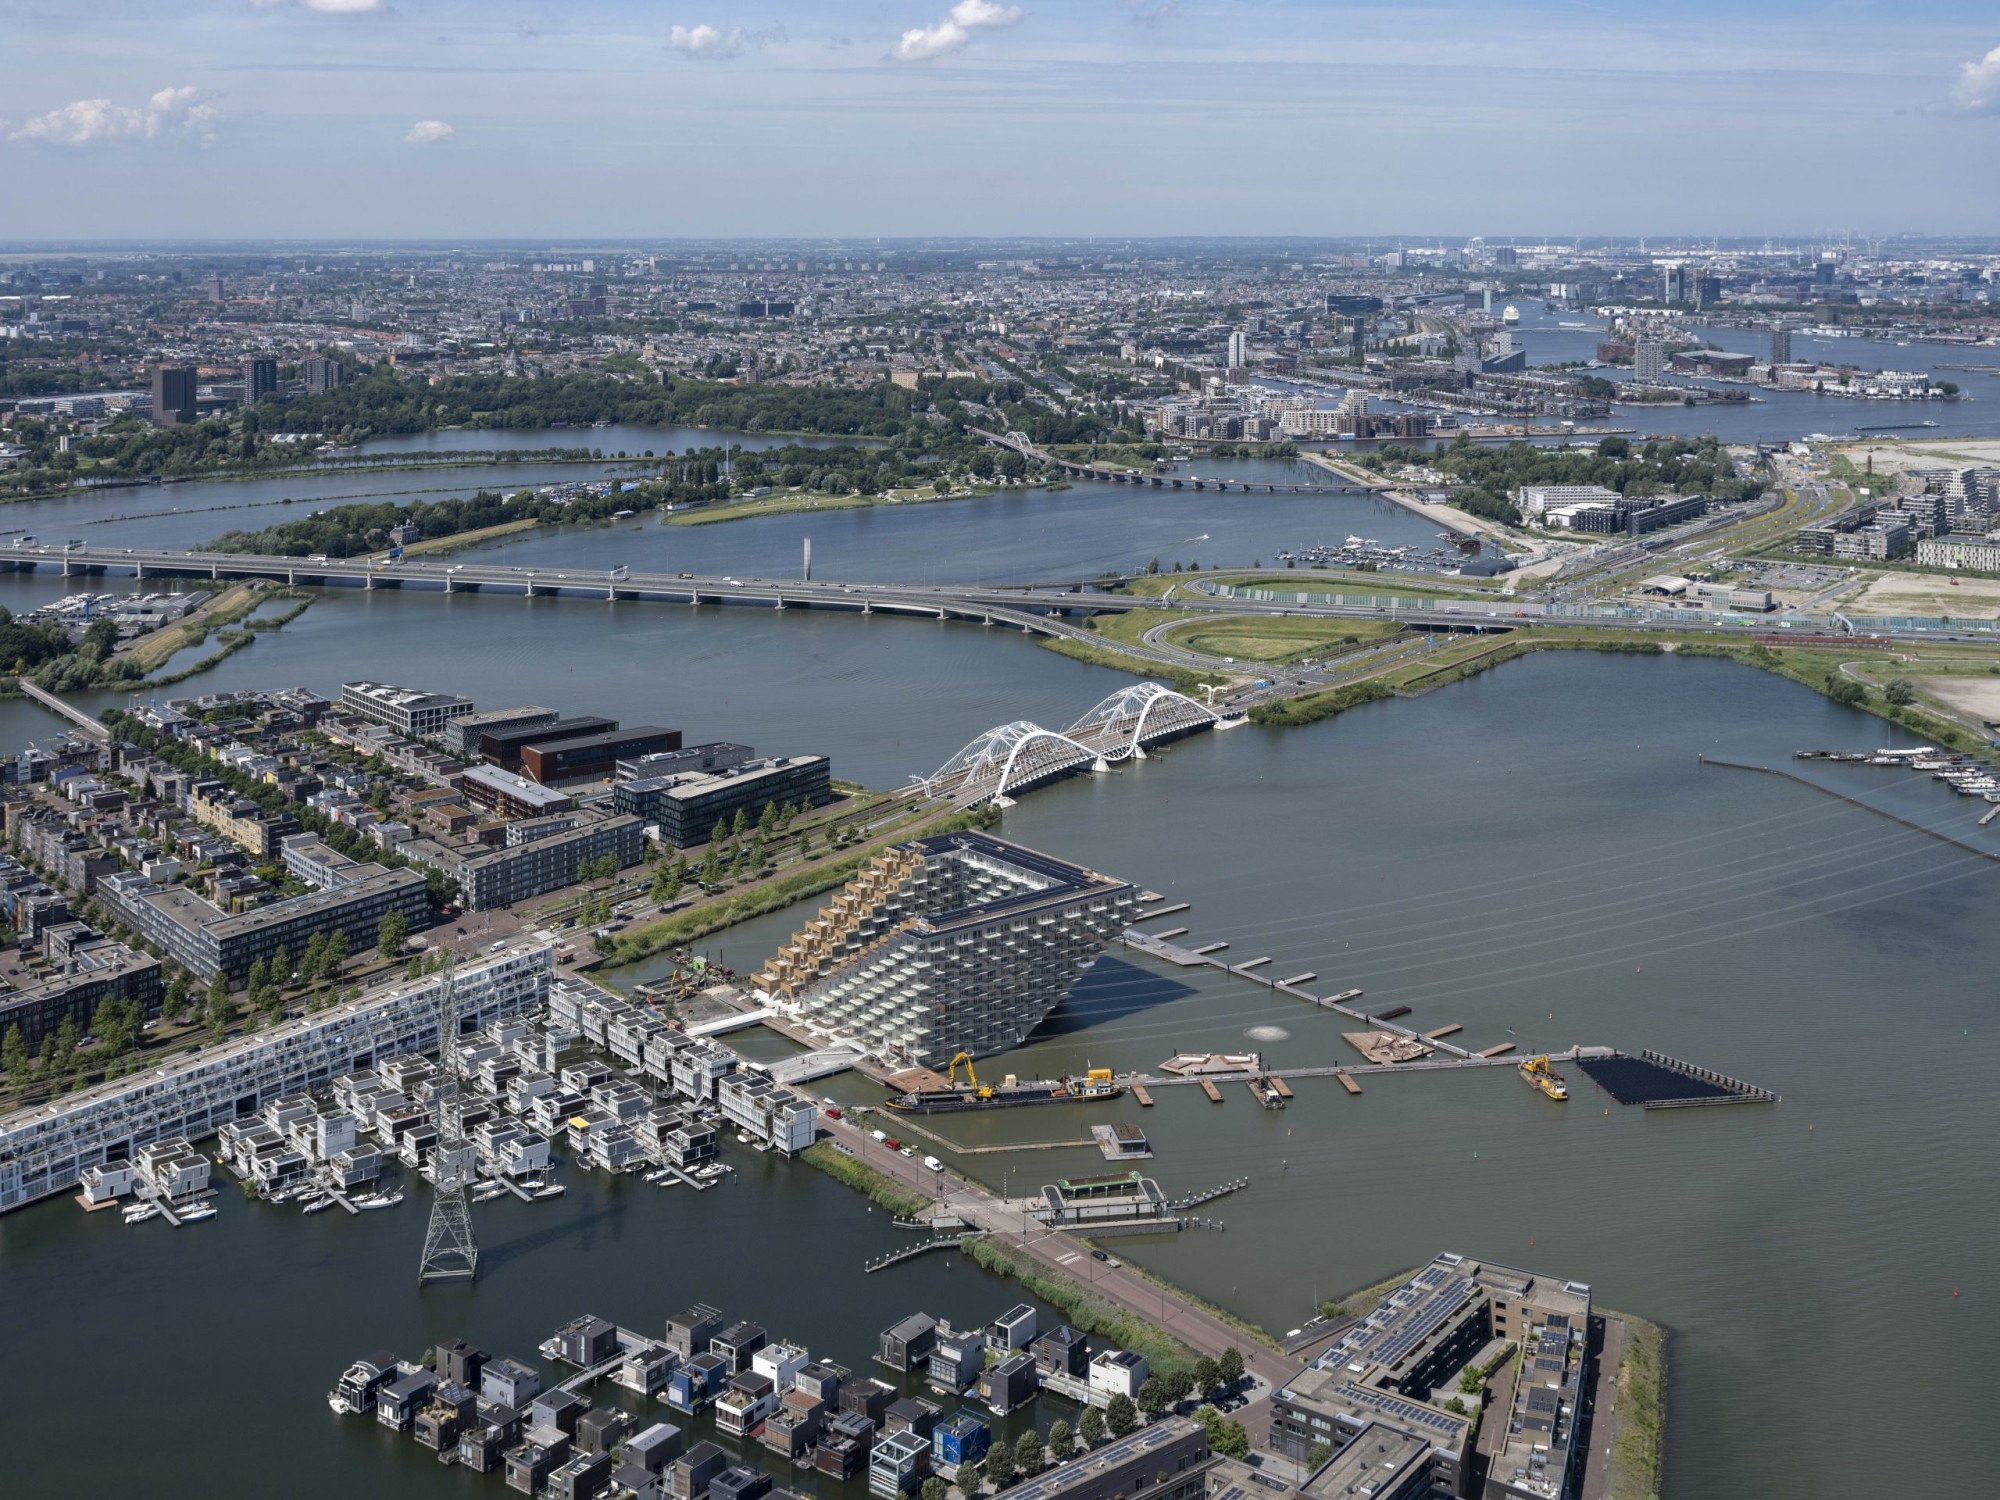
(439,546)
(1277,639)
(226,608)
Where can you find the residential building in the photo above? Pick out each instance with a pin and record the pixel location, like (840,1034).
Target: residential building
(1167,1460)
(898,1464)
(1385,1370)
(319,375)
(1781,345)
(93,972)
(45,1149)
(205,940)
(907,1345)
(1118,1372)
(409,711)
(173,395)
(1972,555)
(716,755)
(1649,361)
(510,795)
(500,877)
(958,943)
(687,806)
(260,379)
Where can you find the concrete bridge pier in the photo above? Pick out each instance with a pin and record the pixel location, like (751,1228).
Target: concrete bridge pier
(65,566)
(943,616)
(368,581)
(138,572)
(214,572)
(449,586)
(867,608)
(291,577)
(694,598)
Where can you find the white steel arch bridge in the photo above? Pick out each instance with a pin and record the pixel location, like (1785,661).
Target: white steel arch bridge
(1018,756)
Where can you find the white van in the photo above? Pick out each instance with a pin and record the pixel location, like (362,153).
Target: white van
(877,1136)
(931,1163)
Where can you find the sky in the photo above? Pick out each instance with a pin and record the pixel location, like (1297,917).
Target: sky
(581,119)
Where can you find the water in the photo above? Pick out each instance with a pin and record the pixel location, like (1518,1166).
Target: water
(619,437)
(1778,416)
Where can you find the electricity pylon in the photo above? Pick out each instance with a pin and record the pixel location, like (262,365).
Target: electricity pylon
(450,1250)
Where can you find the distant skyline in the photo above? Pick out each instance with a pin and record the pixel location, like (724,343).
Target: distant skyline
(396,119)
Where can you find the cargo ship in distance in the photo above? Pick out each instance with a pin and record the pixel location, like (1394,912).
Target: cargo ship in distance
(949,1096)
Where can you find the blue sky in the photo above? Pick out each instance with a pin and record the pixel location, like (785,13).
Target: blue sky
(580,118)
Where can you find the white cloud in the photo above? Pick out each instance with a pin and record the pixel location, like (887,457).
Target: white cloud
(170,113)
(327,7)
(428,133)
(922,43)
(706,41)
(1978,89)
(972,14)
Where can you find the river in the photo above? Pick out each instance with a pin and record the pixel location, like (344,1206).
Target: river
(1536,849)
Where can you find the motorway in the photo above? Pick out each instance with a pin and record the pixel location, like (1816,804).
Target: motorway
(1041,608)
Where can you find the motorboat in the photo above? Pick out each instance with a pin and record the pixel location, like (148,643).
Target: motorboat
(196,1214)
(139,1213)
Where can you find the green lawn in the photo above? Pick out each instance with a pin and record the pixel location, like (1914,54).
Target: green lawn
(1278,639)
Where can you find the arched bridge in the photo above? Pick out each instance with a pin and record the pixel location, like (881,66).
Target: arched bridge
(1019,756)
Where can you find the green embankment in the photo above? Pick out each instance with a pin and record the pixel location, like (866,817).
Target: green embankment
(1085,1310)
(769,896)
(1639,1424)
(838,1165)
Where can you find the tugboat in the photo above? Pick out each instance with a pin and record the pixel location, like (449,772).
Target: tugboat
(1537,1073)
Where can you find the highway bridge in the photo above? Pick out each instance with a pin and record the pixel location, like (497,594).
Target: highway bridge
(1041,608)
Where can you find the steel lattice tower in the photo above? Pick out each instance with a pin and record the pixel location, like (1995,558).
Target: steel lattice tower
(450,1250)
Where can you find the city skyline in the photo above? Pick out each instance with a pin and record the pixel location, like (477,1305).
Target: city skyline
(363,119)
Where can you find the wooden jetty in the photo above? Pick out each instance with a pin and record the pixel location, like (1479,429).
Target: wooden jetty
(1208,1088)
(1304,978)
(1208,948)
(1139,1093)
(1162,911)
(1283,1089)
(1496,1050)
(1347,1081)
(1432,1036)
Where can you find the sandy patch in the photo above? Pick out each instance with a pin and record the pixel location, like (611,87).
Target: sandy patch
(1929,594)
(1978,696)
(1891,457)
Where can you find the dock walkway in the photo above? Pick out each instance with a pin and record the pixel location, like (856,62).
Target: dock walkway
(1157,946)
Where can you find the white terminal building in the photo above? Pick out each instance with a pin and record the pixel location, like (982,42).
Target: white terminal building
(958,943)
(46,1149)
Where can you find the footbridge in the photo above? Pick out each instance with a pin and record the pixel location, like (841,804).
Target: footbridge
(1021,755)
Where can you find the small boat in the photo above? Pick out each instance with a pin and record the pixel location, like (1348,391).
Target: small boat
(196,1214)
(380,1200)
(553,1190)
(317,1205)
(139,1213)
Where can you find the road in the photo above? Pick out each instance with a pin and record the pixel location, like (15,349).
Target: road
(1009,1224)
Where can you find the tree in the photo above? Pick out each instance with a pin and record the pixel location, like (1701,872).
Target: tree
(281,967)
(1062,1442)
(718,833)
(1317,1455)
(1207,1376)
(1178,1386)
(999,1466)
(967,1479)
(1899,691)
(177,993)
(14,1056)
(334,954)
(258,976)
(1028,1452)
(1230,1367)
(1120,1415)
(1091,1427)
(1224,1436)
(935,1489)
(221,1008)
(768,819)
(392,934)
(1152,1397)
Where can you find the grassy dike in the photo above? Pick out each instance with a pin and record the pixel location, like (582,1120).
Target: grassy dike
(1084,1310)
(1638,1426)
(837,1164)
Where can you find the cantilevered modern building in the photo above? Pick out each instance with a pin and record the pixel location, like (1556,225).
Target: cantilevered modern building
(958,943)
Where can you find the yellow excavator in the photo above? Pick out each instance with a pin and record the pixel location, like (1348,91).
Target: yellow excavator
(1538,1074)
(980,1090)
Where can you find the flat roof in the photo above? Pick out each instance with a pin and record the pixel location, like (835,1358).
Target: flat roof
(610,739)
(509,784)
(561,729)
